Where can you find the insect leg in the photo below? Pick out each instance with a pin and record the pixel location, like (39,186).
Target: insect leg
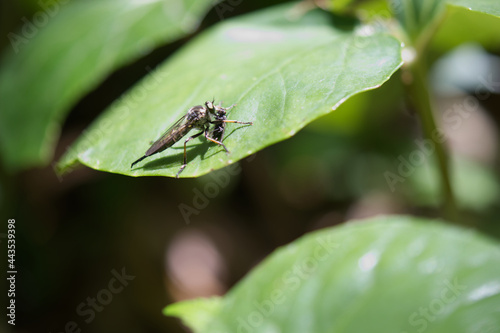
(215,141)
(238,122)
(185,155)
(230,107)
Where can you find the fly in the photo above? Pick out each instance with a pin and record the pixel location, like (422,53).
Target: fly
(199,117)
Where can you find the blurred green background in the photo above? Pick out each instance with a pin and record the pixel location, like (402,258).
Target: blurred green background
(72,232)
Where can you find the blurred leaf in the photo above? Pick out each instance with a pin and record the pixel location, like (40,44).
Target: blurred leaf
(475,186)
(368,110)
(374,9)
(348,118)
(491,7)
(283,70)
(385,274)
(367,8)
(197,312)
(315,172)
(341,6)
(461,26)
(56,60)
(418,16)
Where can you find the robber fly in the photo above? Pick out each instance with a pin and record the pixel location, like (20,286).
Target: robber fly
(199,117)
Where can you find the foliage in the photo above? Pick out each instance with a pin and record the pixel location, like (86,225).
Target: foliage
(397,273)
(285,67)
(286,76)
(45,64)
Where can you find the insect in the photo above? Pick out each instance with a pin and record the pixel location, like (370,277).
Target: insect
(199,117)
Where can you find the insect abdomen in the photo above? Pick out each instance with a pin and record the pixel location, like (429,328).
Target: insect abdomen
(167,142)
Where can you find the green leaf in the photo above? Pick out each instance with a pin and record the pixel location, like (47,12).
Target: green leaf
(462,26)
(418,17)
(197,312)
(282,68)
(491,7)
(362,8)
(341,6)
(64,52)
(385,274)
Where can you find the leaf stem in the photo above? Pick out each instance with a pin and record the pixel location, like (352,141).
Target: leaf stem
(421,99)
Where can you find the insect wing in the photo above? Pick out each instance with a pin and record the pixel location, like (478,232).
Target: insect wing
(170,136)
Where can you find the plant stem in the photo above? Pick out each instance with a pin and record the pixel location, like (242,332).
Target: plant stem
(421,99)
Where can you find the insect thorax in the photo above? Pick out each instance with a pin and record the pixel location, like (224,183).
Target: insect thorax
(198,116)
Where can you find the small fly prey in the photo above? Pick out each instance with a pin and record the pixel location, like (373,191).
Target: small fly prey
(199,117)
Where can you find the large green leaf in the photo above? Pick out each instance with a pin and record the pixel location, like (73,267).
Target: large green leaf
(491,7)
(282,68)
(385,274)
(64,52)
